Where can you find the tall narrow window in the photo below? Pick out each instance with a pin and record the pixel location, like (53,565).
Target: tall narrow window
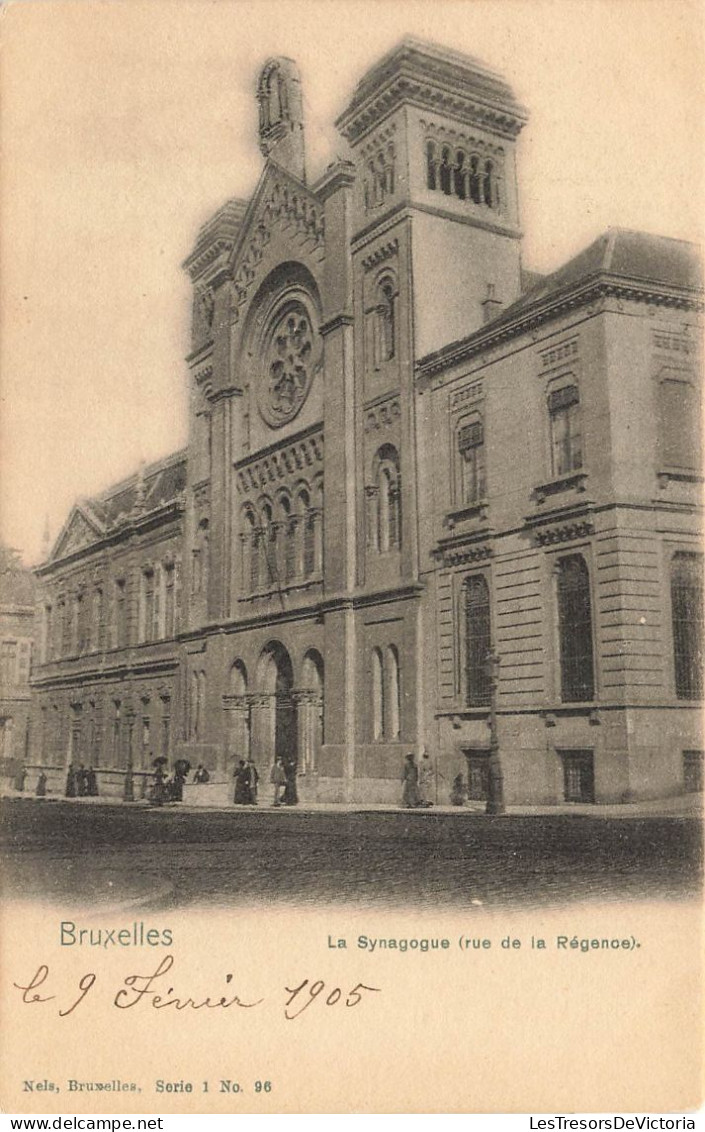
(431,161)
(471,445)
(392,698)
(566,443)
(445,172)
(8,663)
(387,317)
(477,642)
(680,421)
(488,184)
(575,630)
(169,601)
(98,633)
(120,614)
(377,695)
(687,616)
(147,619)
(460,175)
(388,499)
(309,543)
(289,545)
(474,180)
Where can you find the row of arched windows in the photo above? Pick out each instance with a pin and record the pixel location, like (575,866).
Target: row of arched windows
(467,176)
(281,542)
(386,697)
(575,630)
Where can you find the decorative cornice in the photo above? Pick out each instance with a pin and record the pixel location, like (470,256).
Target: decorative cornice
(459,553)
(382,414)
(380,254)
(591,291)
(569,532)
(280,464)
(405,90)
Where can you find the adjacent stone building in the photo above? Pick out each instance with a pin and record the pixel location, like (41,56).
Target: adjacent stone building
(17,612)
(424,490)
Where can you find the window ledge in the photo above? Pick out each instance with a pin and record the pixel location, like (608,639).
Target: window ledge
(477,510)
(576,481)
(681,475)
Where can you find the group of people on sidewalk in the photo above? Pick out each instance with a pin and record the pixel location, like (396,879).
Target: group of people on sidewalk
(419,785)
(81,783)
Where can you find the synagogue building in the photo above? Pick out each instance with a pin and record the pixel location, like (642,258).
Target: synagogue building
(429,498)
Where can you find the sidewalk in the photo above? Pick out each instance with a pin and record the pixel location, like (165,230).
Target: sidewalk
(682,806)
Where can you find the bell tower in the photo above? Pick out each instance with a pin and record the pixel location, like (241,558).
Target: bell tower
(433,135)
(281,119)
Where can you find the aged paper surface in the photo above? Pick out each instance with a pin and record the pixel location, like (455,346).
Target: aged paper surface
(273,999)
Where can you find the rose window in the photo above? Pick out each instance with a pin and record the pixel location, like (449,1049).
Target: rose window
(289,360)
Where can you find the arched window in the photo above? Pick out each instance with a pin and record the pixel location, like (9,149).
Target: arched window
(459,175)
(377,695)
(445,172)
(388,492)
(268,545)
(687,619)
(471,447)
(384,321)
(488,184)
(475,179)
(477,641)
(288,535)
(392,697)
(431,163)
(566,440)
(251,550)
(575,629)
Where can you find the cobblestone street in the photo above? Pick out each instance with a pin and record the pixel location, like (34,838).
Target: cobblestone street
(116,856)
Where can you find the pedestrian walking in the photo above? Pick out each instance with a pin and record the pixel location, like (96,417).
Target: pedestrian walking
(21,778)
(81,781)
(291,796)
(426,781)
(41,788)
(70,791)
(459,791)
(410,780)
(243,784)
(254,780)
(278,780)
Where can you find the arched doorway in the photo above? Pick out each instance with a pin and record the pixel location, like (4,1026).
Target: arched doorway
(275,686)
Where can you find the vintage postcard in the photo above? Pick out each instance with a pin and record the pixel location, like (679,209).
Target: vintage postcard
(351,598)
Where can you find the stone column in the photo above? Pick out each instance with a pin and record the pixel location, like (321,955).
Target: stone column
(237,709)
(262,729)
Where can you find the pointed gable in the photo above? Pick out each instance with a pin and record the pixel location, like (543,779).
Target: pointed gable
(281,203)
(81,530)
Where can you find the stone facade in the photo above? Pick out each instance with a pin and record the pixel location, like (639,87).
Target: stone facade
(17,611)
(402,458)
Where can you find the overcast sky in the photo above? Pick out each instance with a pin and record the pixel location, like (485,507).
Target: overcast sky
(124,125)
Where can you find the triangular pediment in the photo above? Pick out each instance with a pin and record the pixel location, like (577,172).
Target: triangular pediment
(279,202)
(80,530)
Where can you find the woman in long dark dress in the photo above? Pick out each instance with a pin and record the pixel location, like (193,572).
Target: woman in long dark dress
(243,784)
(410,779)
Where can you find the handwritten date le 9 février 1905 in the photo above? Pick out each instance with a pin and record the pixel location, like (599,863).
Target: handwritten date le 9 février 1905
(156,991)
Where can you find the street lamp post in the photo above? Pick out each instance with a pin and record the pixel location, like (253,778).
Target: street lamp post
(495,786)
(129,790)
